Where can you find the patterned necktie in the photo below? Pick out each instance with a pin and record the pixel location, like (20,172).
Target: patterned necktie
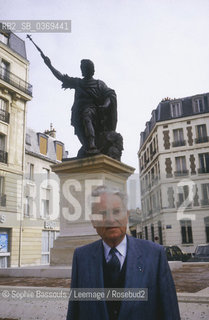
(114,263)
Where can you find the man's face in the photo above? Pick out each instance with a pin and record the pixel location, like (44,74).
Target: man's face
(110,219)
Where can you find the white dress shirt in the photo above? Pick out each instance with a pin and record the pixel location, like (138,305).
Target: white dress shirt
(120,253)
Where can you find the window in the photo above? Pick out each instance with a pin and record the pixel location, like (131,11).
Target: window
(2,142)
(206,220)
(178,137)
(3,104)
(4,115)
(48,238)
(43,142)
(2,195)
(3,154)
(183,193)
(31,171)
(176,109)
(205,194)
(186,231)
(44,208)
(181,166)
(3,38)
(160,232)
(153,233)
(45,177)
(28,139)
(198,105)
(5,66)
(204,163)
(4,248)
(201,134)
(146,233)
(59,151)
(27,206)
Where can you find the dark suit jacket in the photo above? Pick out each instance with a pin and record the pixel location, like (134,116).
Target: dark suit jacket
(147,267)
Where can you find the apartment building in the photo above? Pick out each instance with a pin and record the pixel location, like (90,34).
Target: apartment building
(40,224)
(15,92)
(174,173)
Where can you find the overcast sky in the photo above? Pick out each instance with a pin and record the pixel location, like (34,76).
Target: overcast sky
(145,50)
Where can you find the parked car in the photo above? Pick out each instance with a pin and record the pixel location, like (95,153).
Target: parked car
(174,253)
(201,254)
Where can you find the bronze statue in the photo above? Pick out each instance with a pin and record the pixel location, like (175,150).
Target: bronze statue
(94,111)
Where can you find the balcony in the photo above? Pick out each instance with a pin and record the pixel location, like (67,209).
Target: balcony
(4,116)
(3,200)
(179,143)
(203,170)
(202,139)
(15,81)
(181,173)
(153,153)
(205,202)
(3,156)
(183,205)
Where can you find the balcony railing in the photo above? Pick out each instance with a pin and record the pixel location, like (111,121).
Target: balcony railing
(202,139)
(15,81)
(179,143)
(203,170)
(3,200)
(153,153)
(3,156)
(4,116)
(181,173)
(205,202)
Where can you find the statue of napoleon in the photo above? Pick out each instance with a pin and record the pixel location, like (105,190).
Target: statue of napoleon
(94,111)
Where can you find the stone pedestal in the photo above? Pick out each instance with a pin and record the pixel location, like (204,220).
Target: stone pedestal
(78,177)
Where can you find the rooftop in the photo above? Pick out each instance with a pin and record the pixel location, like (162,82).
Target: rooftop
(170,109)
(32,146)
(13,42)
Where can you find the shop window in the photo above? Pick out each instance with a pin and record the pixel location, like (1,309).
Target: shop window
(48,238)
(4,249)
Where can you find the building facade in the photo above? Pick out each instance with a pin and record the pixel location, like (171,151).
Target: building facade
(15,92)
(174,173)
(40,224)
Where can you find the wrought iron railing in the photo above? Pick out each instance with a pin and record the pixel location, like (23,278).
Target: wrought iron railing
(202,139)
(181,173)
(204,202)
(4,115)
(3,199)
(179,143)
(203,170)
(3,156)
(14,80)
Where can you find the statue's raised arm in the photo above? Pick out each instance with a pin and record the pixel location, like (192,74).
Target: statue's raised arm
(47,61)
(55,72)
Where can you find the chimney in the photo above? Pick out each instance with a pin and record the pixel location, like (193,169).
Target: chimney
(51,132)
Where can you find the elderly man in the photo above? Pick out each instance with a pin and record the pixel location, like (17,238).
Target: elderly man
(121,261)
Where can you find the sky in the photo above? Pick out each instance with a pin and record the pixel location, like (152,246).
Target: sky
(145,50)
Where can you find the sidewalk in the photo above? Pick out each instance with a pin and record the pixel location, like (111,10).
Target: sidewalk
(192,284)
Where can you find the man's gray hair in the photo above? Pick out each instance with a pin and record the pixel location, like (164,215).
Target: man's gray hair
(110,191)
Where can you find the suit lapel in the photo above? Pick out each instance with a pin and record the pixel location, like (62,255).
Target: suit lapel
(134,273)
(97,269)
